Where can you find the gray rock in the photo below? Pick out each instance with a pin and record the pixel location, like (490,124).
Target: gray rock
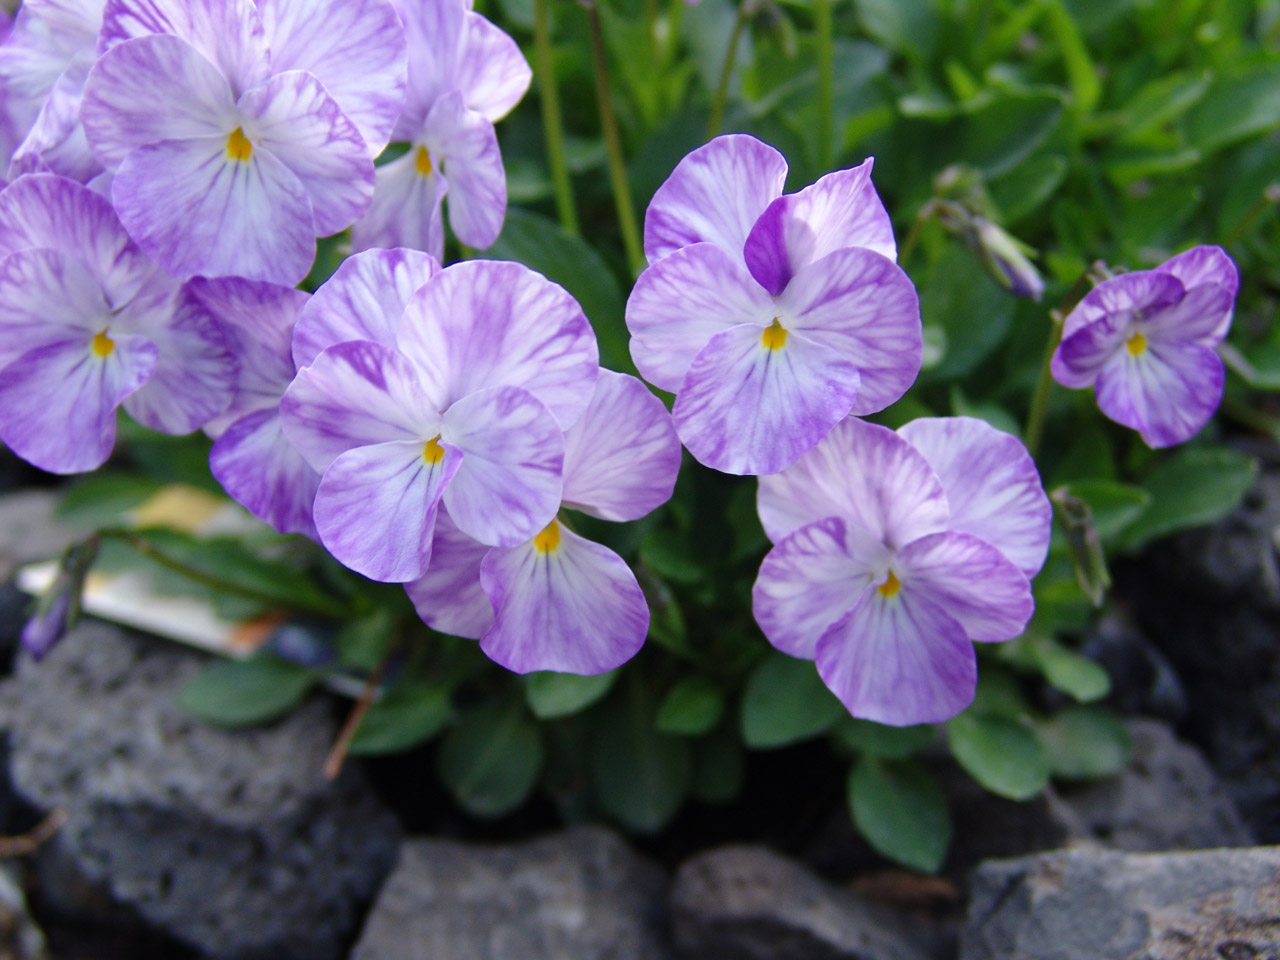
(1091,904)
(232,842)
(1168,798)
(28,530)
(748,903)
(20,937)
(578,895)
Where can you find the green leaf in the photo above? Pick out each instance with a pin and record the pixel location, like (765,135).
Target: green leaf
(786,701)
(1007,128)
(998,695)
(541,243)
(719,767)
(491,758)
(1083,76)
(1114,505)
(1195,486)
(552,695)
(971,308)
(1002,755)
(880,740)
(1027,186)
(1078,677)
(1163,99)
(409,714)
(901,811)
(1236,107)
(668,555)
(908,26)
(244,693)
(1084,743)
(101,499)
(691,708)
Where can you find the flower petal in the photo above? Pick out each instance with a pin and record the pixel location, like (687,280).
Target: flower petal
(863,473)
(840,210)
(508,487)
(355,47)
(862,305)
(292,117)
(715,194)
(45,297)
(573,608)
(969,578)
(58,401)
(622,456)
(355,394)
(448,597)
(1167,393)
(811,579)
(195,210)
(1128,296)
(899,660)
(993,487)
(405,210)
(682,301)
(468,147)
(1197,316)
(483,323)
(152,89)
(750,408)
(376,507)
(1204,264)
(492,73)
(1080,357)
(434,33)
(258,466)
(56,141)
(363,300)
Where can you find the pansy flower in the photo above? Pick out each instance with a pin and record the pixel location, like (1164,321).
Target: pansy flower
(87,324)
(238,133)
(464,75)
(1145,341)
(461,399)
(893,551)
(559,601)
(771,317)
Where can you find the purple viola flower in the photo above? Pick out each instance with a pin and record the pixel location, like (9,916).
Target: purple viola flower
(771,317)
(1145,341)
(558,601)
(88,324)
(238,133)
(251,457)
(464,75)
(463,400)
(893,551)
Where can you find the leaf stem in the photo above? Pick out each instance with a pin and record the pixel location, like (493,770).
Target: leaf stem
(826,83)
(552,122)
(726,71)
(1039,409)
(338,752)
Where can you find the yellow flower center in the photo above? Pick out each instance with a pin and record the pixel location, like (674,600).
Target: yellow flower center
(890,586)
(238,146)
(103,346)
(432,452)
(1137,343)
(774,337)
(549,539)
(423,162)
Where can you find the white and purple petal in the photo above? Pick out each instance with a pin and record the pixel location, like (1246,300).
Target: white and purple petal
(258,466)
(56,142)
(1130,295)
(1167,392)
(46,296)
(448,597)
(491,71)
(1201,265)
(468,147)
(433,29)
(1202,315)
(406,207)
(1080,357)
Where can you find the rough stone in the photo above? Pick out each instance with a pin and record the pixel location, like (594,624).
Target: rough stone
(581,894)
(232,842)
(1092,904)
(748,903)
(20,937)
(28,530)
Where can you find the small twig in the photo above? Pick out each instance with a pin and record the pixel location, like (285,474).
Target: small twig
(27,843)
(338,753)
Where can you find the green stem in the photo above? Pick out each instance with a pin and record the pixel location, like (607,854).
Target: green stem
(826,83)
(613,144)
(552,123)
(908,245)
(726,71)
(1039,410)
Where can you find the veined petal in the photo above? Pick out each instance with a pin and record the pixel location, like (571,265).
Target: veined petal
(58,401)
(448,597)
(376,506)
(227,32)
(840,210)
(1197,316)
(974,582)
(682,301)
(899,660)
(1080,357)
(508,486)
(863,473)
(622,456)
(355,47)
(294,118)
(46,297)
(1167,392)
(993,487)
(811,579)
(1131,294)
(363,300)
(482,323)
(152,89)
(716,194)
(1204,264)
(862,305)
(56,142)
(748,407)
(258,466)
(468,147)
(195,210)
(356,394)
(492,73)
(562,603)
(46,37)
(405,210)
(434,33)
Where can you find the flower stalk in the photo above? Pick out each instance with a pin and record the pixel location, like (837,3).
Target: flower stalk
(552,122)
